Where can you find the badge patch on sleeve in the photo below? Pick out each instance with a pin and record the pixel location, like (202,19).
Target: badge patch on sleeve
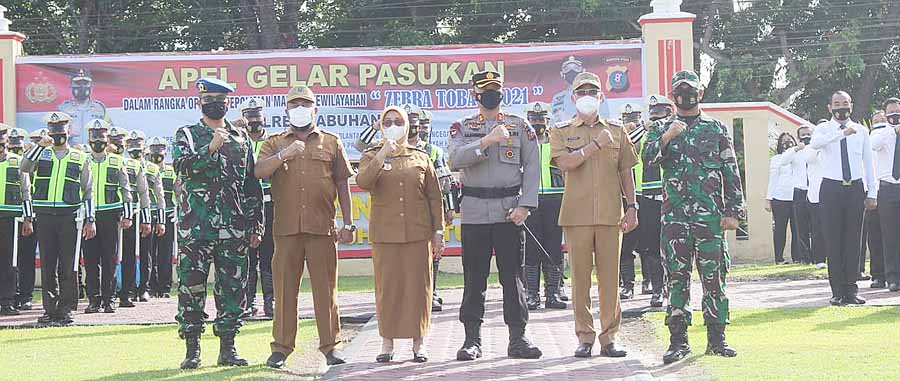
(454,129)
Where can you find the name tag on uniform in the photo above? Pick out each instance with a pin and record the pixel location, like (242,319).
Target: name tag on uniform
(573,138)
(474,135)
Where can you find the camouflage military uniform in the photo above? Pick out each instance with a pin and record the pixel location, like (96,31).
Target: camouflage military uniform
(702,185)
(220,207)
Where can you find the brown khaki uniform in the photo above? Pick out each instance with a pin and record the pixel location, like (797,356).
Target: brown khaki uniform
(590,215)
(304,194)
(407,210)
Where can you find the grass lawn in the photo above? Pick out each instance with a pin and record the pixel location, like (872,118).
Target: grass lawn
(130,353)
(845,343)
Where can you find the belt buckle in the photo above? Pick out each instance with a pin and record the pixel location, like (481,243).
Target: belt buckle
(846,183)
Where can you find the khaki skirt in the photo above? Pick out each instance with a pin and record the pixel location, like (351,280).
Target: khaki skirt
(403,289)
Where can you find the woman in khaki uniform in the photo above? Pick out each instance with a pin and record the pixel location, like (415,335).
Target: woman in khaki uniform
(406,229)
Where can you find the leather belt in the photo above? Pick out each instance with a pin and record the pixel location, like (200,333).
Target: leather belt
(490,193)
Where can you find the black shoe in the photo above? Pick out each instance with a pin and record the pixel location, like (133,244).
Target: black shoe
(836,301)
(384,357)
(125,303)
(335,357)
(552,302)
(165,295)
(864,276)
(269,311)
(715,339)
(436,305)
(522,348)
(471,348)
(276,360)
(533,302)
(854,299)
(108,307)
(562,295)
(878,283)
(93,307)
(679,347)
(613,350)
(45,319)
(8,310)
(420,357)
(584,350)
(228,354)
(192,354)
(64,319)
(893,287)
(24,306)
(144,297)
(656,300)
(627,293)
(646,289)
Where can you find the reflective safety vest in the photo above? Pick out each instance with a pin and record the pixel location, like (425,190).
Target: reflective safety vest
(647,182)
(552,179)
(132,167)
(107,192)
(266,185)
(57,182)
(168,183)
(10,182)
(151,170)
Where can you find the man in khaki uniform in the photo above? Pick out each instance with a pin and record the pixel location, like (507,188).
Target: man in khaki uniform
(308,169)
(597,157)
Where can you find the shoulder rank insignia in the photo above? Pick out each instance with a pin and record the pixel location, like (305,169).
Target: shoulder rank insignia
(455,128)
(563,124)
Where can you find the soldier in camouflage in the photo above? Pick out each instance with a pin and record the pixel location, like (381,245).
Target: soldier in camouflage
(703,199)
(220,213)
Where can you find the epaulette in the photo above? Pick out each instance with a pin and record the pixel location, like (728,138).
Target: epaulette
(326,132)
(563,124)
(419,150)
(373,147)
(614,122)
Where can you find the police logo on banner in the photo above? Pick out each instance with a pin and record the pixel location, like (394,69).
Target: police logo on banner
(617,80)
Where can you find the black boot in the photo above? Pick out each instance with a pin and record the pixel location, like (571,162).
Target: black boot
(519,345)
(192,354)
(533,301)
(471,348)
(532,281)
(8,310)
(716,345)
(627,292)
(553,302)
(93,306)
(268,294)
(678,341)
(108,307)
(227,353)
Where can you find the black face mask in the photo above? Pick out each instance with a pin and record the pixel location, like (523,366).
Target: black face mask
(135,154)
(893,119)
(841,113)
(490,99)
(686,98)
(806,139)
(785,146)
(424,135)
(214,110)
(16,150)
(254,126)
(413,132)
(157,157)
(81,92)
(570,76)
(539,128)
(98,146)
(59,140)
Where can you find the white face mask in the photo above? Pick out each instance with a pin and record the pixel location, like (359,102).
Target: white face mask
(587,105)
(394,133)
(301,116)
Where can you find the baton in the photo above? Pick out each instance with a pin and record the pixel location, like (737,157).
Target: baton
(15,253)
(121,245)
(79,218)
(544,251)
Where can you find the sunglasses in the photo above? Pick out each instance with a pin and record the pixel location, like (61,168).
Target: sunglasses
(585,92)
(393,122)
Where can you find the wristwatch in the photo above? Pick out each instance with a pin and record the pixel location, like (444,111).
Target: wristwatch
(90,220)
(632,206)
(351,228)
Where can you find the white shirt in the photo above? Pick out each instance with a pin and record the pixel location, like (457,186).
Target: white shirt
(827,137)
(814,171)
(884,141)
(799,160)
(781,185)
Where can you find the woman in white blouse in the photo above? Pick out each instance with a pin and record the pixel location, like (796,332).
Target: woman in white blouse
(780,196)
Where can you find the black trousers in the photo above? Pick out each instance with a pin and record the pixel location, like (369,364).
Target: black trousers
(871,238)
(161,249)
(507,241)
(544,224)
(817,244)
(57,237)
(129,265)
(889,211)
(649,226)
(842,220)
(783,214)
(261,261)
(7,273)
(26,270)
(803,226)
(100,256)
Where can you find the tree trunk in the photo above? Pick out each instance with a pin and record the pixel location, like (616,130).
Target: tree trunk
(86,19)
(290,24)
(247,12)
(862,97)
(267,23)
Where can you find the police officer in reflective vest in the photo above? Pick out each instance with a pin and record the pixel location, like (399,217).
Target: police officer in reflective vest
(254,120)
(135,147)
(27,244)
(162,247)
(140,206)
(113,203)
(10,209)
(543,250)
(63,201)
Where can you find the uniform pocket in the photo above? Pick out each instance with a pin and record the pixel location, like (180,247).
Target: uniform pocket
(44,168)
(321,159)
(112,176)
(72,192)
(111,194)
(511,152)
